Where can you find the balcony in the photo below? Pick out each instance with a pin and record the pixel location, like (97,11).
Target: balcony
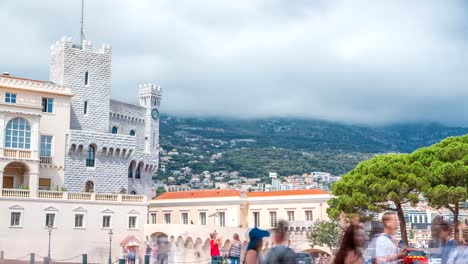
(17,153)
(72,196)
(46,160)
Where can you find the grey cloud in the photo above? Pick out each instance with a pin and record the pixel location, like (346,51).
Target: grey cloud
(353,61)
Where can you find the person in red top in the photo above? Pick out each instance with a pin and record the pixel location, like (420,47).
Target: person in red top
(214,249)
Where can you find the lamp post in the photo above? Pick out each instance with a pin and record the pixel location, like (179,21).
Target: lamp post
(110,246)
(49,228)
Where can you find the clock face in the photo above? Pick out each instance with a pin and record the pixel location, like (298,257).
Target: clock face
(155,114)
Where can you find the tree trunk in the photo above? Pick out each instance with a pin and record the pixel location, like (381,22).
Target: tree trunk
(456,222)
(401,218)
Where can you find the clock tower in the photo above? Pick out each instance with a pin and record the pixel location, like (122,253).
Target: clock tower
(150,99)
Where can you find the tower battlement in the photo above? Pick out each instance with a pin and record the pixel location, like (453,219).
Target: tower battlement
(67,42)
(149,88)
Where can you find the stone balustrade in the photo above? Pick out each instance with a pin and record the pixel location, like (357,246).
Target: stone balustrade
(106,197)
(15,193)
(50,195)
(17,154)
(83,196)
(133,198)
(46,160)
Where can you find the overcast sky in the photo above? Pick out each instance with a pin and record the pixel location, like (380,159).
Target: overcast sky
(355,61)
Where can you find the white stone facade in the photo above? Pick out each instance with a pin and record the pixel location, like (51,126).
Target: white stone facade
(124,138)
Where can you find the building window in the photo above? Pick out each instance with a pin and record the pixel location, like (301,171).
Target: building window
(10,98)
(202,218)
(256,219)
(138,171)
(89,186)
(154,140)
(132,132)
(114,130)
(79,220)
(50,220)
(309,216)
(15,219)
(44,184)
(184,217)
(132,222)
(48,105)
(85,107)
(167,218)
(106,221)
(86,78)
(18,134)
(46,146)
(273,220)
(222,218)
(154,218)
(130,171)
(290,215)
(90,157)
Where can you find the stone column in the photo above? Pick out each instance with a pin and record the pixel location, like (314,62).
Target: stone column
(1,183)
(35,138)
(33,184)
(2,136)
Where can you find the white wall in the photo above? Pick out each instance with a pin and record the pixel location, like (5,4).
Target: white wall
(68,241)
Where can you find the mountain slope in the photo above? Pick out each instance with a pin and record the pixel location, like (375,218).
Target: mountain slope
(290,146)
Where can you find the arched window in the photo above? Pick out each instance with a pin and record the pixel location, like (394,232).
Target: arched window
(137,172)
(89,187)
(114,130)
(18,134)
(86,78)
(132,132)
(130,171)
(85,107)
(91,155)
(133,192)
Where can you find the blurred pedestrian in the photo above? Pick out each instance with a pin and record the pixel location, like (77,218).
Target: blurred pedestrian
(386,251)
(235,250)
(460,254)
(448,243)
(280,253)
(214,249)
(351,246)
(255,245)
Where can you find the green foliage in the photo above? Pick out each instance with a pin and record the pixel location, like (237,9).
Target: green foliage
(288,146)
(325,233)
(382,183)
(446,172)
(160,190)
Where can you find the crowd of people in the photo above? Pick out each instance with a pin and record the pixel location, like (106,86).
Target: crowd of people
(355,248)
(383,247)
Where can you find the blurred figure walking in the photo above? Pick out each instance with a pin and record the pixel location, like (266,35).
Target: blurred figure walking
(448,243)
(235,250)
(280,253)
(255,245)
(351,246)
(386,249)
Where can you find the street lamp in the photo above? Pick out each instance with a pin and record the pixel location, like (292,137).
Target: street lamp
(49,228)
(110,246)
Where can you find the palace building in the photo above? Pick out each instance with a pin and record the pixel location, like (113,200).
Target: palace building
(67,134)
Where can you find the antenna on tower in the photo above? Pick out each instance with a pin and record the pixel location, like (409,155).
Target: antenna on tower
(82,36)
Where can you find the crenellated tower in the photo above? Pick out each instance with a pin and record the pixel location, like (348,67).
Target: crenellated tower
(88,73)
(150,99)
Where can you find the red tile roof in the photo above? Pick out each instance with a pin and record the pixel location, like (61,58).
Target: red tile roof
(286,193)
(198,194)
(233,193)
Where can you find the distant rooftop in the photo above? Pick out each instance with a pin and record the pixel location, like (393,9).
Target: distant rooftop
(234,193)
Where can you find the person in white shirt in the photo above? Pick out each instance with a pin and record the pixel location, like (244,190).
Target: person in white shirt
(386,250)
